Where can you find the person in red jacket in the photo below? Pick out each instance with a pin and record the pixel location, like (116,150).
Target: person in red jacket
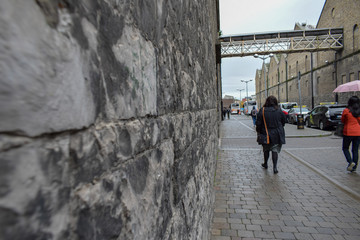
(351,120)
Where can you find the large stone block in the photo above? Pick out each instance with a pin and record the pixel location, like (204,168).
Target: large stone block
(35,184)
(44,75)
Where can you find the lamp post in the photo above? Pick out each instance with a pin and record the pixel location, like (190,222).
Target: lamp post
(240,92)
(264,58)
(246,82)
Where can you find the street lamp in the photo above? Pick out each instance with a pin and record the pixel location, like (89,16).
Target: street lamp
(246,82)
(264,58)
(240,92)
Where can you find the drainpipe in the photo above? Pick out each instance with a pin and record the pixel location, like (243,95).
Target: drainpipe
(286,79)
(312,80)
(335,70)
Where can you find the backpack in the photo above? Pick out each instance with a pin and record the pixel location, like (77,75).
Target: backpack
(253,112)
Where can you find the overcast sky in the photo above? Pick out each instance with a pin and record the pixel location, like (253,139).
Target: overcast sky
(244,16)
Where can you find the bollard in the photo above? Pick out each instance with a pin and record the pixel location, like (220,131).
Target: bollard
(300,121)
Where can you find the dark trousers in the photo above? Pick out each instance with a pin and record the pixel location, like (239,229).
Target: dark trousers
(355,140)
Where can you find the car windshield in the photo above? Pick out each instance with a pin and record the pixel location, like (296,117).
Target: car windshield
(337,108)
(288,106)
(302,110)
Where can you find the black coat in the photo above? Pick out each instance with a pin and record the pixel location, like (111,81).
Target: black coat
(275,121)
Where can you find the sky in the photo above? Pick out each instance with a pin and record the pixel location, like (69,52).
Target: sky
(244,16)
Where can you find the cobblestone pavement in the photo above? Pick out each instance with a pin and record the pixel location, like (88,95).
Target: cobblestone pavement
(297,203)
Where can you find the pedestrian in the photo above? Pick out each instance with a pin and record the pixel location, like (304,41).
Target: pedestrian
(270,122)
(351,120)
(228,113)
(254,112)
(224,112)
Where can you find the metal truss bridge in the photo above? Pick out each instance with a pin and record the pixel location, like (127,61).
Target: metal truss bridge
(282,42)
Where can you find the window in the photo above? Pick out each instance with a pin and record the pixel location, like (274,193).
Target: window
(297,68)
(356,38)
(352,77)
(343,79)
(290,71)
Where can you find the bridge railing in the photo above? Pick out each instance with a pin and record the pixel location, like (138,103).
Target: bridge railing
(281,42)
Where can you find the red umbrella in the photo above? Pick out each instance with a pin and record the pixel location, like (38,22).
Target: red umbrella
(353,86)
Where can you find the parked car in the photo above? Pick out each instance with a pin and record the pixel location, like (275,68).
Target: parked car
(295,111)
(325,116)
(285,107)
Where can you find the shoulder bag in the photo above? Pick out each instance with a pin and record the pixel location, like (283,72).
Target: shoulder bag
(263,138)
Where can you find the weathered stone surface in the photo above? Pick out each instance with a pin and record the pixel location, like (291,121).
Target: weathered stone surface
(108,125)
(43,77)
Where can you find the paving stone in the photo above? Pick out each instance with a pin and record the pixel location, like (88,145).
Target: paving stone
(259,222)
(237,226)
(311,224)
(253,227)
(307,229)
(261,234)
(234,220)
(228,232)
(284,235)
(326,224)
(221,215)
(294,223)
(289,229)
(322,237)
(303,236)
(220,238)
(325,230)
(268,228)
(245,234)
(220,220)
(221,226)
(215,232)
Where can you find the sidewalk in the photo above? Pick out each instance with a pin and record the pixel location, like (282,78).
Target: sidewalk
(297,203)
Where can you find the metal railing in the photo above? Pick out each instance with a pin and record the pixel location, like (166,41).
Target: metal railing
(281,42)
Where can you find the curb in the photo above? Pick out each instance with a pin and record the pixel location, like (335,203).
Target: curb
(305,136)
(345,189)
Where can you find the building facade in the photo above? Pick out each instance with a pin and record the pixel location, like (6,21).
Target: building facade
(320,72)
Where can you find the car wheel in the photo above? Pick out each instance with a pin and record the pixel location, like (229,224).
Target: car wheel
(321,125)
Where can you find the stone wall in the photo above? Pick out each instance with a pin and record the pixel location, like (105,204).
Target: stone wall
(109,119)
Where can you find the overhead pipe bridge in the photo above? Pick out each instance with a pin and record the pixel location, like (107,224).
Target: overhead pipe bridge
(282,42)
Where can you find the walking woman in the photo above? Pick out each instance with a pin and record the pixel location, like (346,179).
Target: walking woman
(270,121)
(351,119)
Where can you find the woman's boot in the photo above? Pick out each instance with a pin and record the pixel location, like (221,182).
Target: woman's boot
(266,158)
(275,159)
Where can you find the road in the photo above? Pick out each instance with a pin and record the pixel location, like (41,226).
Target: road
(312,197)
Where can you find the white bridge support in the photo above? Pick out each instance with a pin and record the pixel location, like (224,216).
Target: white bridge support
(281,42)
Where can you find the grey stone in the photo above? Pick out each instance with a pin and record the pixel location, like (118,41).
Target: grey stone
(109,124)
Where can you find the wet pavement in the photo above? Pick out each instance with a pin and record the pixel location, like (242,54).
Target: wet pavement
(312,196)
